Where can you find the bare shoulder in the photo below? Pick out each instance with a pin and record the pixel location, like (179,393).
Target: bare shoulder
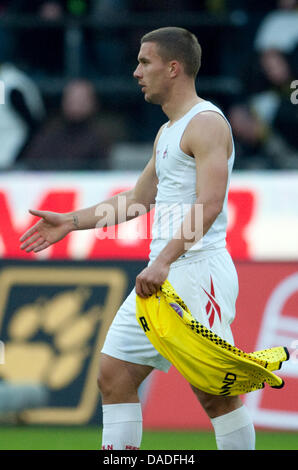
(159,133)
(156,139)
(206,130)
(211,120)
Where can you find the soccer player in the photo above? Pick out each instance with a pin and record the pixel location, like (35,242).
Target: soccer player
(191,165)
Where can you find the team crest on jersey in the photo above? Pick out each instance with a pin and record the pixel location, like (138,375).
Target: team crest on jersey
(165,153)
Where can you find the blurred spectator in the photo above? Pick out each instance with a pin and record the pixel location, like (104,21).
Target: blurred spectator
(20,114)
(282,70)
(279,29)
(78,138)
(250,136)
(266,119)
(266,124)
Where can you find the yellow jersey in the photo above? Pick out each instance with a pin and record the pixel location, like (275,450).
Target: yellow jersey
(207,361)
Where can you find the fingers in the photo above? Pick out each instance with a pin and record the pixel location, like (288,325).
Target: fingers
(31,230)
(148,282)
(42,246)
(38,245)
(32,239)
(144,288)
(29,241)
(28,234)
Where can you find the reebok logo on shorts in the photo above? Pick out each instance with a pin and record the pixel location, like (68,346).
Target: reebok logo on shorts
(212,306)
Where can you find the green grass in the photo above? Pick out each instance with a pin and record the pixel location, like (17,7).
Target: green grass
(89,438)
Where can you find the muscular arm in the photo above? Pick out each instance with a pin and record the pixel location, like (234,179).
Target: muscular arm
(207,138)
(122,207)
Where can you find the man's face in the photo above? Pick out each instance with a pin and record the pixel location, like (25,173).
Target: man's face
(152,73)
(79,102)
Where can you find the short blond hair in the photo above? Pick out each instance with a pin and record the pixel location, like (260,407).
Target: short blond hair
(177,44)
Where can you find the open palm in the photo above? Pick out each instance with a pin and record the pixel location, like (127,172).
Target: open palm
(51,228)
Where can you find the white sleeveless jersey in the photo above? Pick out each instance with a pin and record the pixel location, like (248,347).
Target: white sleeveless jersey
(176,189)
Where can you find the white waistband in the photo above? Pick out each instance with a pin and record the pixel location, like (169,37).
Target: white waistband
(195,256)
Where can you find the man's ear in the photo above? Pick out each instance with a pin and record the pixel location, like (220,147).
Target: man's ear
(174,68)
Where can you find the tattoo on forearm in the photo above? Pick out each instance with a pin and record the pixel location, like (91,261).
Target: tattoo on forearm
(75,221)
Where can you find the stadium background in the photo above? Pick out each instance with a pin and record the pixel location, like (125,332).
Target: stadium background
(74,129)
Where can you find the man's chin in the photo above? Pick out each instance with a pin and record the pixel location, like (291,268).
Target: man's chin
(151,99)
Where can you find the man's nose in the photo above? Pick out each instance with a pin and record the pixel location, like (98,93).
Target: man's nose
(137,72)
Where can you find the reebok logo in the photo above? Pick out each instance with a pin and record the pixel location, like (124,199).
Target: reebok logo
(212,306)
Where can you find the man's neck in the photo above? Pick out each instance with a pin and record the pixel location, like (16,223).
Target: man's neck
(179,103)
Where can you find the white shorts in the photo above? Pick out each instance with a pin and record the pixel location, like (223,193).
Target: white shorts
(209,287)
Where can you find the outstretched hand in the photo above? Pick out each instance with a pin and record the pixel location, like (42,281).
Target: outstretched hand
(51,228)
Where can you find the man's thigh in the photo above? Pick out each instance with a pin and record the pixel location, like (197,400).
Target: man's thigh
(127,341)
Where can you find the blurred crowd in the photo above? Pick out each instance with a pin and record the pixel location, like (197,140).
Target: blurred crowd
(79,130)
(265,116)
